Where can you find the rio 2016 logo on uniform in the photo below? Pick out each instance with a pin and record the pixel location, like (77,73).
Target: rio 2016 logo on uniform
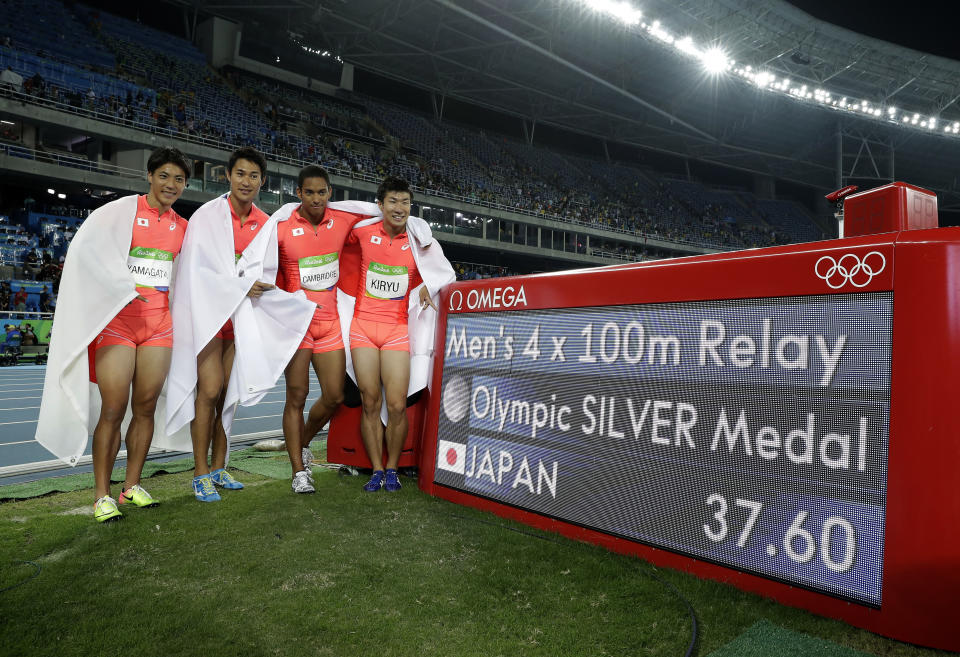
(850,269)
(488,299)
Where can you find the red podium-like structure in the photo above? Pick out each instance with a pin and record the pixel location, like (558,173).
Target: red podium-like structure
(781,419)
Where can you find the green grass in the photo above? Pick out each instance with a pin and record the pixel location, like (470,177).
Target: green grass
(267,572)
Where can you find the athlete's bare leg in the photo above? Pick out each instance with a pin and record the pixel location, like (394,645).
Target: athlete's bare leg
(218,455)
(297,375)
(153,363)
(330,368)
(366,365)
(395,373)
(210,382)
(115,365)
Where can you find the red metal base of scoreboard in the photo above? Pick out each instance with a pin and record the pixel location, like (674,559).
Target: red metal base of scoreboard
(345,445)
(921,547)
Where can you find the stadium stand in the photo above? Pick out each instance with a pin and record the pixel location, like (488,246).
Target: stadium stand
(135,75)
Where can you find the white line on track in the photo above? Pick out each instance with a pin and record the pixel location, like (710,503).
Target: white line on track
(22,442)
(259,417)
(3,424)
(3,399)
(21,408)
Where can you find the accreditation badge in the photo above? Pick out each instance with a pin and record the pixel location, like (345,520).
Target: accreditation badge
(320,272)
(387,281)
(151,267)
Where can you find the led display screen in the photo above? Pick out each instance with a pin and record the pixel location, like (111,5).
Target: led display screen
(751,433)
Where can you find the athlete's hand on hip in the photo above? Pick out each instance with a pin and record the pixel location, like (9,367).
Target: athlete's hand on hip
(425,299)
(258,289)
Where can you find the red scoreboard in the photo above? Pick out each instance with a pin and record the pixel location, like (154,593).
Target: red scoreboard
(782,419)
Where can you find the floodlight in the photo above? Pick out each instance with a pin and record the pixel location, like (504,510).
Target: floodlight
(686,45)
(622,11)
(51,190)
(714,60)
(61,195)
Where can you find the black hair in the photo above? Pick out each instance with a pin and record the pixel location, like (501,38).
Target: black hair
(168,155)
(250,154)
(312,171)
(392,184)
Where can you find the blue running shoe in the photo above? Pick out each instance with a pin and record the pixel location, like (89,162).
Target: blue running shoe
(392,483)
(224,479)
(375,483)
(204,490)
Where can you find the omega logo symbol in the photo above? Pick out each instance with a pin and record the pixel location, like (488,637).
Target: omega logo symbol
(850,269)
(493,298)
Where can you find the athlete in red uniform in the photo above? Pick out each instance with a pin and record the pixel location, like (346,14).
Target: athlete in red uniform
(247,171)
(379,343)
(134,348)
(310,243)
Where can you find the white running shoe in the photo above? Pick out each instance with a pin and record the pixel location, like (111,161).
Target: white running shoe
(302,483)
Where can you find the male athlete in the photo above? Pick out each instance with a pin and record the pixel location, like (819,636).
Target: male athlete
(117,277)
(310,243)
(392,264)
(233,331)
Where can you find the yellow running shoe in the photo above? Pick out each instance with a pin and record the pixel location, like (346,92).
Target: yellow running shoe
(136,496)
(105,509)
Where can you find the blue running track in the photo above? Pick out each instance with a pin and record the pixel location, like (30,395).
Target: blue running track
(23,459)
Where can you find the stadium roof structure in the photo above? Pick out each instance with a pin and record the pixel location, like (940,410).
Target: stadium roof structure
(562,63)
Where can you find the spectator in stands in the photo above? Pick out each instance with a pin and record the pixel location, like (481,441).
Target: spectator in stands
(32,265)
(20,300)
(11,344)
(12,330)
(123,252)
(29,338)
(46,301)
(5,295)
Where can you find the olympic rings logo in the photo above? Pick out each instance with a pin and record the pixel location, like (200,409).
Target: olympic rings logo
(850,269)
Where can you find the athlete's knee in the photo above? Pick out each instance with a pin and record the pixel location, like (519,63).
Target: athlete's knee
(111,413)
(370,402)
(145,407)
(297,395)
(396,408)
(209,389)
(331,399)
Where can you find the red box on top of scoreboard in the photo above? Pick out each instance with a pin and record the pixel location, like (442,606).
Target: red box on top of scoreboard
(887,209)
